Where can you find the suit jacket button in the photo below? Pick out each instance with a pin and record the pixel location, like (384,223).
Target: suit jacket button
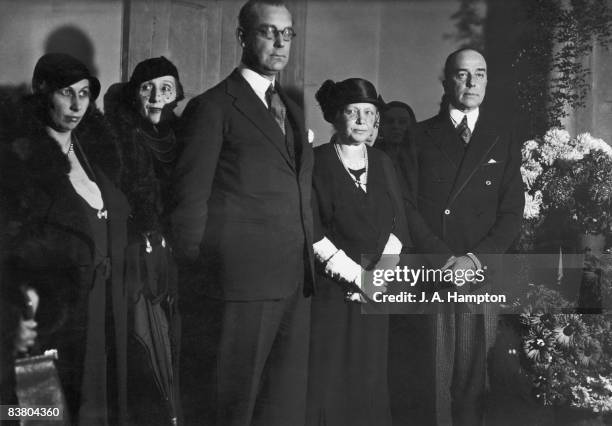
(447,212)
(488,183)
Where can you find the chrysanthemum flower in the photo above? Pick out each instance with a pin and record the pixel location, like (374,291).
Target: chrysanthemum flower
(589,352)
(533,203)
(568,330)
(528,148)
(587,143)
(539,345)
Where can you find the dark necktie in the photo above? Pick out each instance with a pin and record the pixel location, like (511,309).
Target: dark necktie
(464,131)
(276,107)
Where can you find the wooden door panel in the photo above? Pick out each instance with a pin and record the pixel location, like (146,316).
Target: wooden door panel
(188,44)
(184,31)
(199,37)
(146,26)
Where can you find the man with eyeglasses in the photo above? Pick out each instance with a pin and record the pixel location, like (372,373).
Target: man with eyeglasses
(243,187)
(464,200)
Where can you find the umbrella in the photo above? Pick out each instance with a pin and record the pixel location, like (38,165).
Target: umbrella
(155,324)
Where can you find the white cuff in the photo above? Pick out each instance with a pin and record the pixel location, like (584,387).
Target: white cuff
(393,246)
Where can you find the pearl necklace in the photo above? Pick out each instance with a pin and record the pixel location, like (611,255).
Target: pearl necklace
(361,183)
(82,181)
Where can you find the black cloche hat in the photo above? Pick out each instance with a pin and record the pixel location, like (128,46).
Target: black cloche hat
(57,70)
(333,96)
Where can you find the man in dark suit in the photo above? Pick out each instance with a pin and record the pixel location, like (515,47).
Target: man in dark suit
(243,187)
(465,200)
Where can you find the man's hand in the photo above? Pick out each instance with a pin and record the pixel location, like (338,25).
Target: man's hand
(464,264)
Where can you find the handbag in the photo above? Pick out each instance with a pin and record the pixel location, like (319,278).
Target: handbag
(38,385)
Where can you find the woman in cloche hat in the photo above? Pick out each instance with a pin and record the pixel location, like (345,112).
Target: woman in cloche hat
(141,112)
(357,211)
(63,217)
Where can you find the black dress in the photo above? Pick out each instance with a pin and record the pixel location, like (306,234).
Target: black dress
(98,340)
(149,156)
(348,357)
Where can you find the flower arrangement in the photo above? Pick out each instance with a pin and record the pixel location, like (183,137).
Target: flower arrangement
(572,175)
(567,356)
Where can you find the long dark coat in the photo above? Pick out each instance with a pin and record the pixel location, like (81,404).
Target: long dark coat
(45,232)
(148,156)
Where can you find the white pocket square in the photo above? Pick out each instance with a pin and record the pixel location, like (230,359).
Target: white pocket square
(492,161)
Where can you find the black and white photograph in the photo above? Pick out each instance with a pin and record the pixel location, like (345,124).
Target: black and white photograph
(306,212)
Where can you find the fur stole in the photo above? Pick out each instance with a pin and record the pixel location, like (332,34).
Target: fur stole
(148,159)
(33,180)
(25,138)
(33,169)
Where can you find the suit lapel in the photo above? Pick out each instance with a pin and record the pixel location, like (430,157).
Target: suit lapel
(247,102)
(296,116)
(443,136)
(483,140)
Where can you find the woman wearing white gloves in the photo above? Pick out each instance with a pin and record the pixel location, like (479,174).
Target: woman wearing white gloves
(358,212)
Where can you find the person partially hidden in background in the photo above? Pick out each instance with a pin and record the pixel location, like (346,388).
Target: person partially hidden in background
(464,199)
(243,224)
(395,120)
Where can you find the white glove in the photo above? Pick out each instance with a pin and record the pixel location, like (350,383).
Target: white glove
(340,266)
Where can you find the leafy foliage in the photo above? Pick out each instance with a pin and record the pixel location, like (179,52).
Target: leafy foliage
(561,36)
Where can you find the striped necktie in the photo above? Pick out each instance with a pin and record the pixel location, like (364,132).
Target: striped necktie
(464,131)
(276,107)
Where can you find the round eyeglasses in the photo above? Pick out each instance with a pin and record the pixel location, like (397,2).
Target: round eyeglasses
(369,115)
(270,32)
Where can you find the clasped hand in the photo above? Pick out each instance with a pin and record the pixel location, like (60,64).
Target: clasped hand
(464,264)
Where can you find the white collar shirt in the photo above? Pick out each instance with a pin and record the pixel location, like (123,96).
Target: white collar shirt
(457,115)
(258,83)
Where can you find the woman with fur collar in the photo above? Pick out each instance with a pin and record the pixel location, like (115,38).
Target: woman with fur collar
(64,217)
(141,112)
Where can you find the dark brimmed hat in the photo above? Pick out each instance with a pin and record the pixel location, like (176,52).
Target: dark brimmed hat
(334,96)
(55,71)
(153,68)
